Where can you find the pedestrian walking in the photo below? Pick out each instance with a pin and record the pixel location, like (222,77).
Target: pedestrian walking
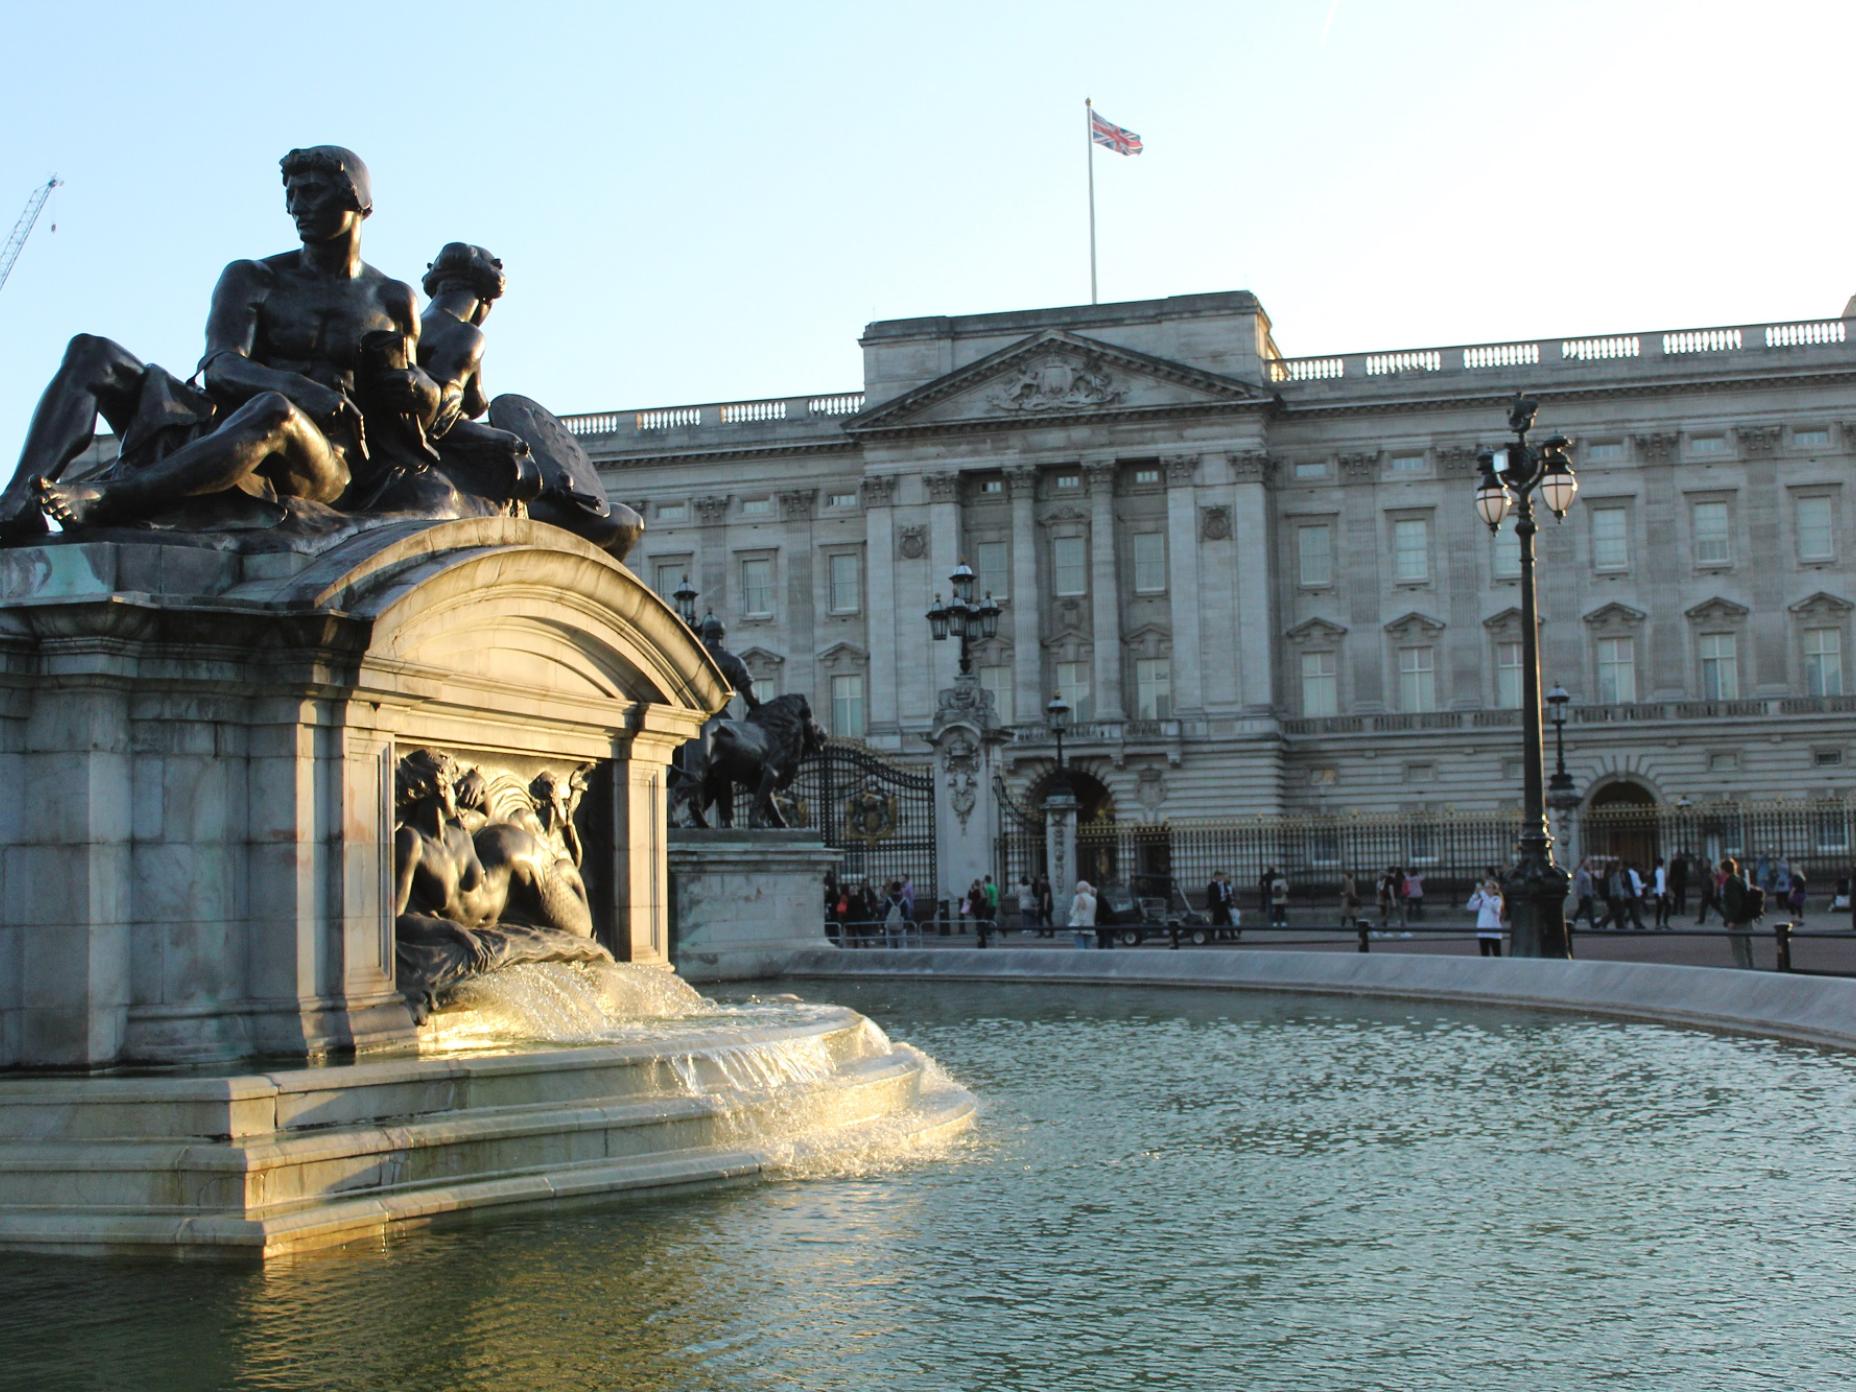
(1678,881)
(1264,881)
(1047,908)
(1349,900)
(1659,887)
(1708,887)
(1083,912)
(1487,904)
(1739,909)
(1027,906)
(1797,900)
(1582,892)
(1414,896)
(1279,902)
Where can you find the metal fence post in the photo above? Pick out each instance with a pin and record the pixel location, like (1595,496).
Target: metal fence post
(1782,938)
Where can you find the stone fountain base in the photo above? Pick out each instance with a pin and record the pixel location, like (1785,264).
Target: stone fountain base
(258,1164)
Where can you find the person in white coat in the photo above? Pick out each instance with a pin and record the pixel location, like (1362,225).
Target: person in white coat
(1487,902)
(1083,912)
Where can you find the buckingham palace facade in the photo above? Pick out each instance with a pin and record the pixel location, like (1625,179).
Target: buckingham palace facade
(1261,581)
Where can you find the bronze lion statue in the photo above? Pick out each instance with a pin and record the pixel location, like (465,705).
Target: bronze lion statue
(761,753)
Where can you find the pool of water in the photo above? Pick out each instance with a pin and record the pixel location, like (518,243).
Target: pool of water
(1164,1189)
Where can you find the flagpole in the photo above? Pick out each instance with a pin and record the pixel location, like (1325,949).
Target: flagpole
(1089,136)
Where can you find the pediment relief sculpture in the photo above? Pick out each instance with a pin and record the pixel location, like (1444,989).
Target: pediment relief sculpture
(1315,630)
(1058,381)
(1716,609)
(1821,603)
(1414,623)
(1614,614)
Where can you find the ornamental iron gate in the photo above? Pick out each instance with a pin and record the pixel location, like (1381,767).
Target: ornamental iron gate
(1020,847)
(877,815)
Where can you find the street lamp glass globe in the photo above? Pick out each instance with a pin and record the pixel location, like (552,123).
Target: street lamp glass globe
(989,618)
(1057,713)
(962,582)
(1559,485)
(1556,702)
(937,619)
(1492,501)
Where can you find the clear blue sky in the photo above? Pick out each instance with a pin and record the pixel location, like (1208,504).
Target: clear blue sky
(706,202)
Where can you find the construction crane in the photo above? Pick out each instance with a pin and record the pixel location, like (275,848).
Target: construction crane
(23,228)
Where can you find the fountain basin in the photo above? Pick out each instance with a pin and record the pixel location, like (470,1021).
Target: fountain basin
(265,1163)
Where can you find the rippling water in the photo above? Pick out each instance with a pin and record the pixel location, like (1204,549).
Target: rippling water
(1165,1189)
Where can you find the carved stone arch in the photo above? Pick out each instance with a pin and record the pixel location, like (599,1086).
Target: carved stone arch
(1505,624)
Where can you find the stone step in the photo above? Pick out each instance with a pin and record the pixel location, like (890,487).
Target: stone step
(255,1175)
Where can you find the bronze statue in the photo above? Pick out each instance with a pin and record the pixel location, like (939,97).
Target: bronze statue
(762,752)
(278,418)
(473,891)
(321,398)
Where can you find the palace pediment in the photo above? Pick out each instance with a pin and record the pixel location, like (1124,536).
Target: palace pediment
(1055,376)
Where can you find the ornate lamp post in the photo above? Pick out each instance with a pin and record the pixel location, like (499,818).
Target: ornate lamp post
(1536,887)
(1057,717)
(1560,792)
(685,598)
(962,618)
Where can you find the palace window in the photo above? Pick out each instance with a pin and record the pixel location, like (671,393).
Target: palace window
(1072,680)
(1720,667)
(757,507)
(1411,550)
(1707,444)
(1823,662)
(846,582)
(992,487)
(1407,464)
(1816,529)
(1505,552)
(992,564)
(757,588)
(667,578)
(1314,555)
(847,705)
(1149,563)
(1320,684)
(1153,688)
(998,680)
(1311,469)
(1068,566)
(1610,538)
(1147,473)
(672,512)
(1714,545)
(1508,675)
(1417,679)
(1811,438)
(1604,452)
(840,500)
(1617,671)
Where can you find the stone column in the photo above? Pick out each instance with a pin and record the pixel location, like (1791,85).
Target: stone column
(966,736)
(1027,651)
(944,553)
(880,574)
(1104,589)
(1256,603)
(798,624)
(1182,565)
(712,552)
(1060,851)
(640,869)
(1359,569)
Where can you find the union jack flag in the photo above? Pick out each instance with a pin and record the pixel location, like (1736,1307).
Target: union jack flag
(1122,142)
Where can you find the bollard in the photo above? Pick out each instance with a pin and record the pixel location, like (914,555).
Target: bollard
(1359,925)
(1782,938)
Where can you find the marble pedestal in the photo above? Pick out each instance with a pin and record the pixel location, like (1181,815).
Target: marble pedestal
(744,901)
(198,744)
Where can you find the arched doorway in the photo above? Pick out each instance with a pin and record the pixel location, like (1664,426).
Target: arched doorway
(1620,822)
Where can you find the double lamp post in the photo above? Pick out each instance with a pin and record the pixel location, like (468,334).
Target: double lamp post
(1535,887)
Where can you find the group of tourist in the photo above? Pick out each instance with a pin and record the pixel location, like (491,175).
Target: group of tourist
(859,915)
(1627,892)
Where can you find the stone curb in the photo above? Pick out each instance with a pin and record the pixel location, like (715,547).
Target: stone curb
(1801,1009)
